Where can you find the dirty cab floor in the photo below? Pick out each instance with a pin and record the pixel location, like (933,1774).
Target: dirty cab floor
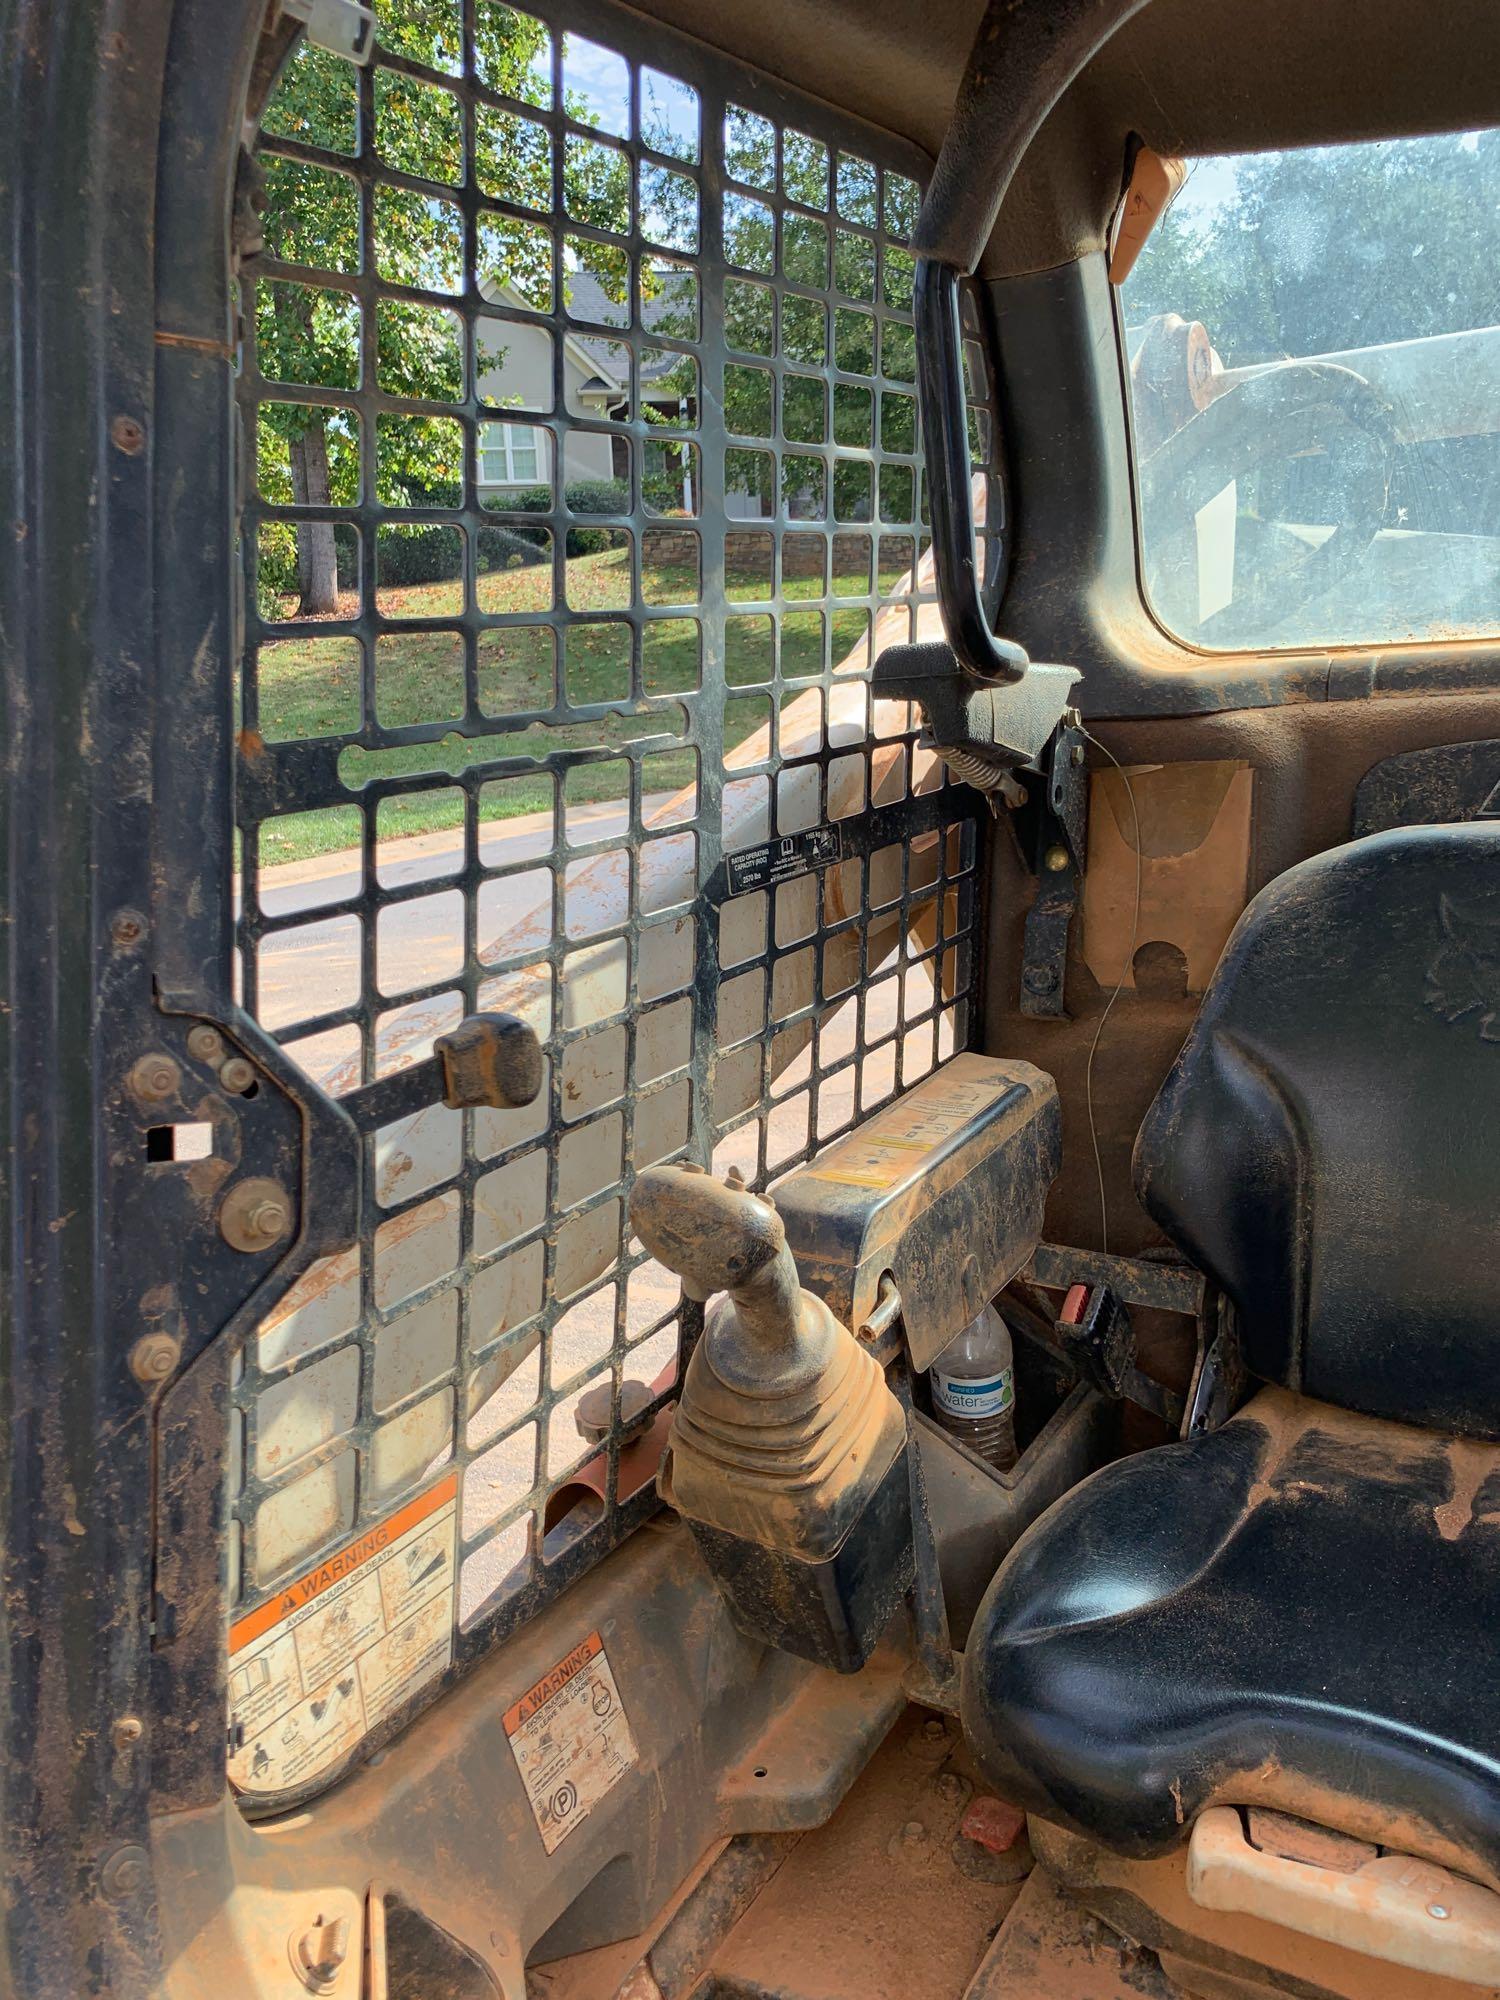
(889,1898)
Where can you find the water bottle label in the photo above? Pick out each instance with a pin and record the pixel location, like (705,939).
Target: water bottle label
(992,1396)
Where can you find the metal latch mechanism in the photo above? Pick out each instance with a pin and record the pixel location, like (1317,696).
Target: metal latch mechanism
(1021,743)
(344,27)
(488,1060)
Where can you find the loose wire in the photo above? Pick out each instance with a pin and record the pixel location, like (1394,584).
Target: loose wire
(1135,925)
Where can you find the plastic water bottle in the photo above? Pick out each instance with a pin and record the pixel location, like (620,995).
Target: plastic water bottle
(973,1383)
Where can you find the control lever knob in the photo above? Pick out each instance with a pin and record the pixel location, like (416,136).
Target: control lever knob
(787,1451)
(490,1060)
(715,1236)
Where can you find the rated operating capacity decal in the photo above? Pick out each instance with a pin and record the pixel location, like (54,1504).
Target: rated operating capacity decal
(571,1740)
(888,1148)
(313,1670)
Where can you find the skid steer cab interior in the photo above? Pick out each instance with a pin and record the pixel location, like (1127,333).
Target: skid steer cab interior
(751,1000)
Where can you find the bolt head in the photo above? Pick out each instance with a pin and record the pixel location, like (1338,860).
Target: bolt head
(128,927)
(1439,1910)
(205,1043)
(125,1873)
(154,1357)
(255,1214)
(127,436)
(934,1729)
(320,1952)
(237,1074)
(127,1730)
(1056,859)
(155,1078)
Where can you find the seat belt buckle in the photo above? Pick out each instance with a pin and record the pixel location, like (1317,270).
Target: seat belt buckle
(1094,1331)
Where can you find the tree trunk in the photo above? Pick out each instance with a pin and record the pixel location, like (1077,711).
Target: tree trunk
(317,554)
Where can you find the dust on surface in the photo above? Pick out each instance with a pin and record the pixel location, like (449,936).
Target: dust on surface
(872,1904)
(1052,1949)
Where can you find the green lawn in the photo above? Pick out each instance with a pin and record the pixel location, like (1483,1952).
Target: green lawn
(311,687)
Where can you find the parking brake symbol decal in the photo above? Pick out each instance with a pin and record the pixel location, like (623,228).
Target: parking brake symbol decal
(571,1740)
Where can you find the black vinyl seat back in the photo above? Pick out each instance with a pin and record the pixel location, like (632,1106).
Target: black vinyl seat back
(1327,1144)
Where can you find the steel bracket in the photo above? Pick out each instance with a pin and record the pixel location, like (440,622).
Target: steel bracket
(1055,842)
(344,27)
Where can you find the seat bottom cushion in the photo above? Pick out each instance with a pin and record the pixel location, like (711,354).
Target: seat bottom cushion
(1301,1609)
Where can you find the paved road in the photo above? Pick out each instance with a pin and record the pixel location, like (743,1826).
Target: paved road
(315,968)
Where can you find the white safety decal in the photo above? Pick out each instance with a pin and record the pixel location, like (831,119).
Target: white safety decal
(571,1740)
(312,1671)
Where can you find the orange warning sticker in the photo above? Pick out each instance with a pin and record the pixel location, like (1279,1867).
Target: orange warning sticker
(315,1668)
(571,1740)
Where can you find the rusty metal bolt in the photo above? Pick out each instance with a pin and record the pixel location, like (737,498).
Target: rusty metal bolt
(154,1357)
(934,1729)
(255,1214)
(128,436)
(125,1873)
(1056,859)
(1079,753)
(206,1043)
(950,1787)
(129,1729)
(237,1074)
(127,927)
(155,1077)
(320,1952)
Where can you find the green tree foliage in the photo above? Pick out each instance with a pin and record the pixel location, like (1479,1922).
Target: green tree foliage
(309,335)
(1336,247)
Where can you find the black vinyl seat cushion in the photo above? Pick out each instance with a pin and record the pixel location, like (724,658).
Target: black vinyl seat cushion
(1301,1609)
(1325,1146)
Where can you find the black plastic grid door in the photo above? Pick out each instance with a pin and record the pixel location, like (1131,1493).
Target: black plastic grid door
(582,483)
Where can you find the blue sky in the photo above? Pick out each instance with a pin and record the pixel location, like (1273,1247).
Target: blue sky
(597,81)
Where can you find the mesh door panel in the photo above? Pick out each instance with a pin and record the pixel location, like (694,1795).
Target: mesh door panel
(582,483)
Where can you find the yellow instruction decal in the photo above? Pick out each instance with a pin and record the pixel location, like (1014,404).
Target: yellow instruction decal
(312,1671)
(571,1740)
(891,1146)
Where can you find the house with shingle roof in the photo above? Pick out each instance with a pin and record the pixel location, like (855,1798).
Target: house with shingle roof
(516,369)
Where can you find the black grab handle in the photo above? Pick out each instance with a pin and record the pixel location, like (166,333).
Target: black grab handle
(956,564)
(1024,56)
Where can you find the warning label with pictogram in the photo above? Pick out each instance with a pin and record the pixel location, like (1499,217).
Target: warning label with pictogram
(315,1668)
(571,1740)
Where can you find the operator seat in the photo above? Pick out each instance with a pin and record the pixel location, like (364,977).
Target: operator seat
(1302,1608)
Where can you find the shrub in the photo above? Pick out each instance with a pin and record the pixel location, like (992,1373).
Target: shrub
(408,555)
(583,496)
(276,569)
(508,548)
(434,554)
